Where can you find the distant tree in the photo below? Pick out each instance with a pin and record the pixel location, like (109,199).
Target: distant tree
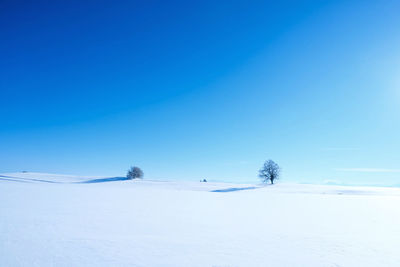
(269,172)
(134,173)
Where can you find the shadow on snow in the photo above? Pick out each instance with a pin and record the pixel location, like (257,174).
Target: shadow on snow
(103,180)
(233,189)
(27,180)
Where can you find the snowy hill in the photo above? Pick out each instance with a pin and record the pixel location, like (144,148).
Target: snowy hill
(47,177)
(64,220)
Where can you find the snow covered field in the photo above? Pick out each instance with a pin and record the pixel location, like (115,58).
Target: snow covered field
(61,220)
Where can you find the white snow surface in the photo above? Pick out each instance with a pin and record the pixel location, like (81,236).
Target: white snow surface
(64,220)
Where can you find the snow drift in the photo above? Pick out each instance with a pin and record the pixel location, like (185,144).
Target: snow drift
(62,220)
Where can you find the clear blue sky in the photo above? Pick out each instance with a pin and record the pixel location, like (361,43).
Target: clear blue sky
(202,90)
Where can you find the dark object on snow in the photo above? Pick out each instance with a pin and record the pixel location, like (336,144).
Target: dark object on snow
(269,172)
(134,173)
(204,180)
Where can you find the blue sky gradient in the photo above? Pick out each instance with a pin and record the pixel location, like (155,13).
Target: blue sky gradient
(202,90)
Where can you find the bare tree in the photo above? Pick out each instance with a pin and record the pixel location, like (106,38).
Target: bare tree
(269,172)
(134,173)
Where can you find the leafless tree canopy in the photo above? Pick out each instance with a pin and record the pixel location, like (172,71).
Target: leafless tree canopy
(269,172)
(134,173)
